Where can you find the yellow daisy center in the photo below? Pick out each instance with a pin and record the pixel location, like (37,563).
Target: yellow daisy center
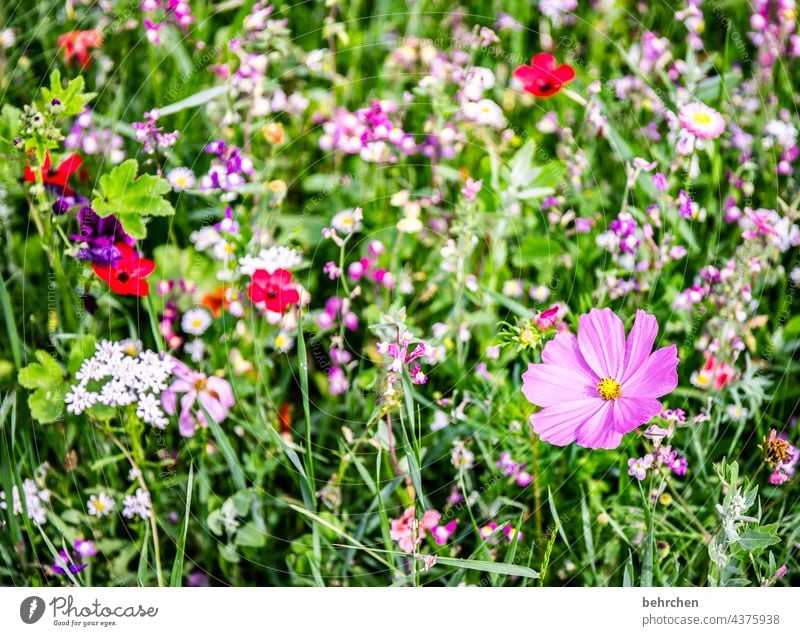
(703,119)
(99,505)
(609,389)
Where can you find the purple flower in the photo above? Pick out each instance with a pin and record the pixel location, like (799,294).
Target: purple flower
(686,206)
(100,236)
(63,563)
(84,548)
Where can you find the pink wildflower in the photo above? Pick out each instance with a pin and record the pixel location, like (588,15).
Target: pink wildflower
(408,532)
(598,386)
(214,395)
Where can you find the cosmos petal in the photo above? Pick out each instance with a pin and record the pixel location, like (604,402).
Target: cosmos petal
(601,339)
(639,343)
(656,377)
(598,431)
(548,384)
(559,424)
(563,351)
(631,412)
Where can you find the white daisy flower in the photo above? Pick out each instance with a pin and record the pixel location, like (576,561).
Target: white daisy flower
(100,505)
(181,179)
(196,321)
(348,221)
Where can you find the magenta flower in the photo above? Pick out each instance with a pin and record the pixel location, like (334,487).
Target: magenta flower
(213,394)
(598,386)
(442,534)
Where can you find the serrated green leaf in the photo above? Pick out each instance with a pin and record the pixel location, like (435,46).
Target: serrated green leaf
(129,198)
(73,99)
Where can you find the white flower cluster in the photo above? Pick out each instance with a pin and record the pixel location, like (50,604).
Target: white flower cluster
(114,378)
(137,504)
(270,259)
(35,498)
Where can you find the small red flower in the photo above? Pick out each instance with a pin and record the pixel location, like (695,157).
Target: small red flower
(543,78)
(274,290)
(77,44)
(126,276)
(57,177)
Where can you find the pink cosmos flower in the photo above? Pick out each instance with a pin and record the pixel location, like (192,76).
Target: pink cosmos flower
(214,394)
(598,386)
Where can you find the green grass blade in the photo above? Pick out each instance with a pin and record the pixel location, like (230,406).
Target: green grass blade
(176,577)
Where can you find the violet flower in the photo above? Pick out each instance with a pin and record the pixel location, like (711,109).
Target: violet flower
(100,236)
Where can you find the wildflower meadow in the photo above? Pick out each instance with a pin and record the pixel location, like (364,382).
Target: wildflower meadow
(399,293)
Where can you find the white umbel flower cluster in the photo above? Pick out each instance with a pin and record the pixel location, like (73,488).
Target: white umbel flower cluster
(270,259)
(115,378)
(35,500)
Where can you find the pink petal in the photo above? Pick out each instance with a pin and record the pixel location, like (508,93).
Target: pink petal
(548,384)
(559,424)
(215,409)
(187,401)
(222,388)
(563,351)
(632,412)
(639,343)
(169,400)
(430,519)
(598,431)
(601,339)
(656,377)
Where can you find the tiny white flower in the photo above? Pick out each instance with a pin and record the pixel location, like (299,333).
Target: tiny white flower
(181,178)
(100,505)
(348,221)
(196,321)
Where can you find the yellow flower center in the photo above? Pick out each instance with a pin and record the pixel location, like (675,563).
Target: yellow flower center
(704,119)
(99,505)
(609,389)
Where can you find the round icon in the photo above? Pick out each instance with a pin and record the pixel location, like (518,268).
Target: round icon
(31,609)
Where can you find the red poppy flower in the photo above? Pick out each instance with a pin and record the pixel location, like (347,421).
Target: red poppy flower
(274,290)
(77,44)
(57,177)
(543,78)
(126,276)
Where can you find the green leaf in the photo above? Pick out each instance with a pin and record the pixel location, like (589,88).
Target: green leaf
(72,98)
(45,380)
(507,569)
(129,198)
(198,99)
(758,539)
(176,577)
(250,537)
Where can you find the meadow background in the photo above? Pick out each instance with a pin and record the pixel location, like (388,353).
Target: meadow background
(338,461)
